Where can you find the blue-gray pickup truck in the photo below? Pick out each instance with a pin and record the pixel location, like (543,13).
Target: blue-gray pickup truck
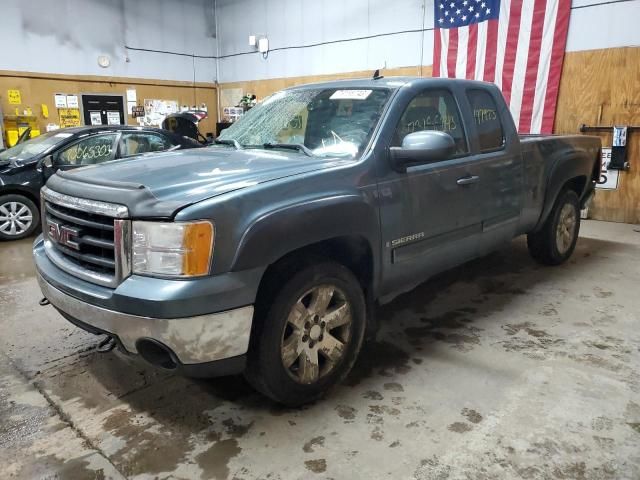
(268,252)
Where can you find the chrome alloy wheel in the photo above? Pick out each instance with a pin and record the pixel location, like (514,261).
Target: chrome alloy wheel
(15,218)
(566,229)
(317,333)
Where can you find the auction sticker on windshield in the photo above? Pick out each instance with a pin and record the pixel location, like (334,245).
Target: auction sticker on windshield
(350,94)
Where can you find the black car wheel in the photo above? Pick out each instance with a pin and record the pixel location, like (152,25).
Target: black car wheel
(554,243)
(18,217)
(310,336)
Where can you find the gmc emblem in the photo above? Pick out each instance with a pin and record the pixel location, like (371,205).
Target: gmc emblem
(63,234)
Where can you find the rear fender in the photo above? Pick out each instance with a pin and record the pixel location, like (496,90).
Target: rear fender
(565,169)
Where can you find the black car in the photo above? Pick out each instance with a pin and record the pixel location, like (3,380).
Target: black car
(24,169)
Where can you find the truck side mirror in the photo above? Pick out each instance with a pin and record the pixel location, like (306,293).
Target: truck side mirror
(422,147)
(45,162)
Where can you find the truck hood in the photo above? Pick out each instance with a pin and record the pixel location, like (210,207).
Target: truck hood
(194,175)
(186,177)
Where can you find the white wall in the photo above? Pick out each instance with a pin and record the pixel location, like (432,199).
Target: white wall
(67,36)
(303,22)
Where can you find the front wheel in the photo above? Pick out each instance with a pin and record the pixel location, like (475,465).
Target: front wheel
(310,336)
(18,217)
(554,243)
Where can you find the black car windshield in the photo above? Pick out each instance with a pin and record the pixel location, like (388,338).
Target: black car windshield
(327,121)
(35,146)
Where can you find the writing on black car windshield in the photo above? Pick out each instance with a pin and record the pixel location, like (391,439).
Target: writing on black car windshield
(328,122)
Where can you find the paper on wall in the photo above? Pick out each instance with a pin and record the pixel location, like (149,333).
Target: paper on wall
(60,100)
(72,101)
(96,118)
(132,95)
(155,111)
(113,118)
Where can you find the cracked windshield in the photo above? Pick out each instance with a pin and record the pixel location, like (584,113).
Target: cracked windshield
(317,122)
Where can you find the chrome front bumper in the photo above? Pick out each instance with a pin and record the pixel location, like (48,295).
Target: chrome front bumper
(193,340)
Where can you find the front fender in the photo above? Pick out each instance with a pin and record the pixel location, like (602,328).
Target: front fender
(282,231)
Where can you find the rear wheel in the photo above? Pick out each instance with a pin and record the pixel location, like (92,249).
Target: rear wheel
(310,336)
(18,217)
(554,243)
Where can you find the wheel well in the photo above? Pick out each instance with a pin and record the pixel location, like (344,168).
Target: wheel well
(577,184)
(24,193)
(354,252)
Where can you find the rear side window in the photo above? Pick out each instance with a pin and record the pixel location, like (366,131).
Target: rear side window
(487,120)
(432,110)
(88,151)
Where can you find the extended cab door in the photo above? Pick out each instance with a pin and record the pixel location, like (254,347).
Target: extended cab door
(496,156)
(431,215)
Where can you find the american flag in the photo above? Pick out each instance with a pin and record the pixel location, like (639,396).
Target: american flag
(517,44)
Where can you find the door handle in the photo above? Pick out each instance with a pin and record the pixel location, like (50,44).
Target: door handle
(468,180)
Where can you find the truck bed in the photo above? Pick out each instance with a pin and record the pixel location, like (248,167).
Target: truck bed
(541,155)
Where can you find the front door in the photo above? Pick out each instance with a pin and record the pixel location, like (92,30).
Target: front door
(103,110)
(431,215)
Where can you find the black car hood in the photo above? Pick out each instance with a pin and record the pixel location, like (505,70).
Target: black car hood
(177,179)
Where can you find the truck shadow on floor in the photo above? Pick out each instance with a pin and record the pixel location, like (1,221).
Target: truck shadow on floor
(467,296)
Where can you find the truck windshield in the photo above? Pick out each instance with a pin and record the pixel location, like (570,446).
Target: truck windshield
(35,146)
(320,122)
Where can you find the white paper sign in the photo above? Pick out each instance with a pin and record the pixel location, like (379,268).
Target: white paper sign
(72,101)
(350,95)
(132,95)
(608,178)
(113,118)
(60,100)
(96,118)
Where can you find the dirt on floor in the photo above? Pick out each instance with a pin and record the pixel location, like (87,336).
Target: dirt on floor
(498,369)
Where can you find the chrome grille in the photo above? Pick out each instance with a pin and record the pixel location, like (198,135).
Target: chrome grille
(86,238)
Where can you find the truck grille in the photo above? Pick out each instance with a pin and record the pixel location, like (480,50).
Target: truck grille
(86,238)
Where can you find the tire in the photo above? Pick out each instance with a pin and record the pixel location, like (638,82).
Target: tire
(554,243)
(296,324)
(19,217)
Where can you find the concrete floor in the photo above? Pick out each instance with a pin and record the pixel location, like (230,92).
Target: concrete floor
(498,369)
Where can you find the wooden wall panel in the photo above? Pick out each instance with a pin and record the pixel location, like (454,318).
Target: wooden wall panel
(602,87)
(37,89)
(598,87)
(264,88)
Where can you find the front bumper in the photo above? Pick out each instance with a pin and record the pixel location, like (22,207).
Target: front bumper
(196,329)
(200,339)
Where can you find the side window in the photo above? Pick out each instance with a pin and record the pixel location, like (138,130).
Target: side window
(95,149)
(142,142)
(432,110)
(487,120)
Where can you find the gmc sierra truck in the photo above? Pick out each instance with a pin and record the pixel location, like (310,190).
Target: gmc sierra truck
(268,252)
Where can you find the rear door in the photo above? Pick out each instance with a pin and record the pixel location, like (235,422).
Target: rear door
(431,215)
(497,158)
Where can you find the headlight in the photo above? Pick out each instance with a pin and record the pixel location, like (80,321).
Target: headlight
(178,249)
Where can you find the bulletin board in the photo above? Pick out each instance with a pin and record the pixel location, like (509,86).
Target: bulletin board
(155,111)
